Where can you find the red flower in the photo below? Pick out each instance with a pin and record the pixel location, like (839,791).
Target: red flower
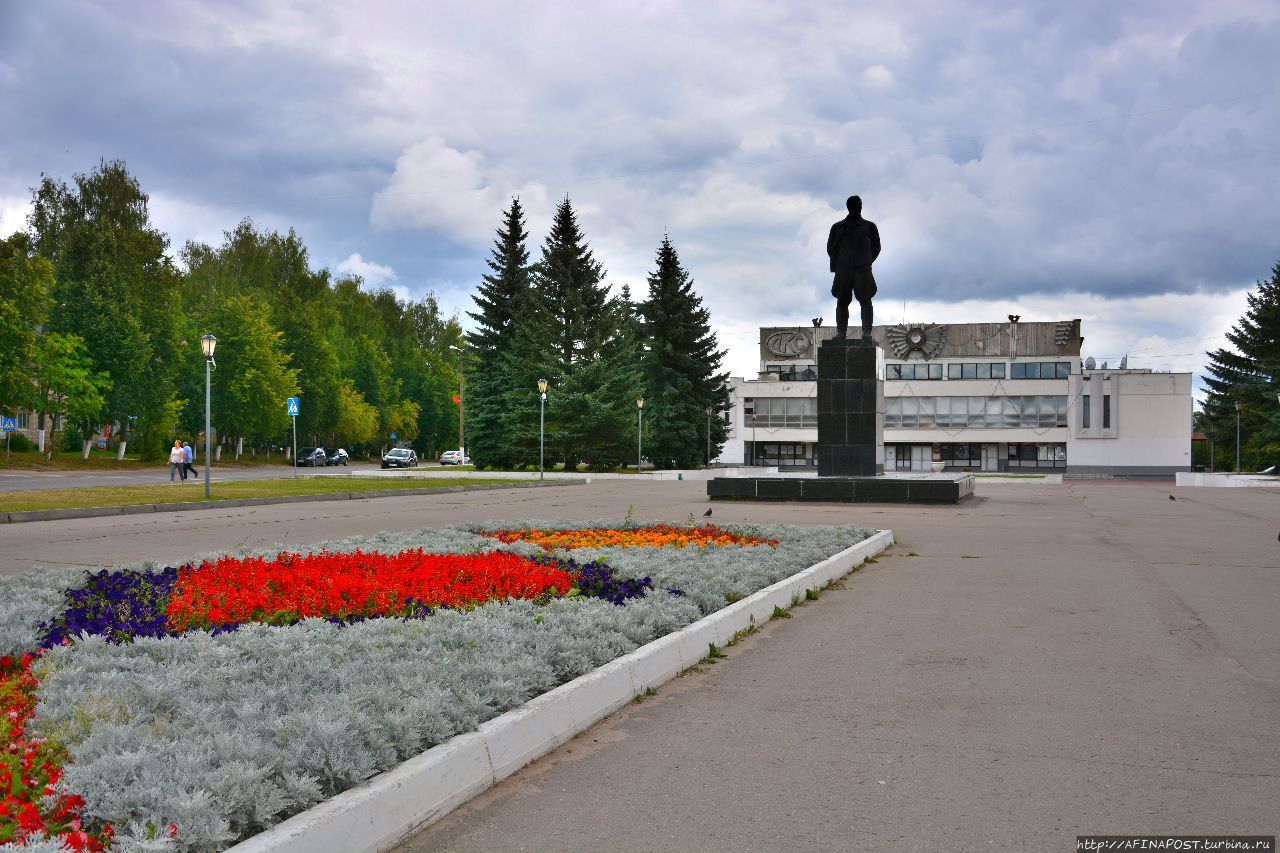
(291,586)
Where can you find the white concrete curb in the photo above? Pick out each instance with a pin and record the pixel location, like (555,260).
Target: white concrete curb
(379,814)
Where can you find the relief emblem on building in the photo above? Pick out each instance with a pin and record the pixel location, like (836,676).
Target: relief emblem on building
(926,340)
(787,344)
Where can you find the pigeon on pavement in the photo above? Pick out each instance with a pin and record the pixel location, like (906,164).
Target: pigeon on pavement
(707,514)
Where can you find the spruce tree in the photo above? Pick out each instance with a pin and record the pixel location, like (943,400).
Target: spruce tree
(501,298)
(593,375)
(1249,374)
(681,366)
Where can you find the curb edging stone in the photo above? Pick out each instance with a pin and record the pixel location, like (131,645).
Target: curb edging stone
(379,814)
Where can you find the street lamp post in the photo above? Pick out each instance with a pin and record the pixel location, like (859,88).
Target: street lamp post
(1237,436)
(207,344)
(639,431)
(708,436)
(461,405)
(542,428)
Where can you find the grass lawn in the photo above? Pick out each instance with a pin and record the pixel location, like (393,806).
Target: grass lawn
(193,491)
(102,460)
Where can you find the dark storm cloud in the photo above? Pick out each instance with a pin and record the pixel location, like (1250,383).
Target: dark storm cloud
(1111,151)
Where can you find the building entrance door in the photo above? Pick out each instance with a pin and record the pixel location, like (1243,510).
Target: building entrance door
(989,457)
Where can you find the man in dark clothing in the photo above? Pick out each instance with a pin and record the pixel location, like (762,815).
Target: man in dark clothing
(853,246)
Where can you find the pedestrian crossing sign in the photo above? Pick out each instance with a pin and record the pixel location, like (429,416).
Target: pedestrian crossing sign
(9,425)
(293,405)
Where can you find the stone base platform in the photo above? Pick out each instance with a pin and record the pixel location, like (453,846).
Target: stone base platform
(889,488)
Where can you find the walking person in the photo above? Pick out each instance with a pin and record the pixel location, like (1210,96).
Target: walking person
(188,456)
(175,461)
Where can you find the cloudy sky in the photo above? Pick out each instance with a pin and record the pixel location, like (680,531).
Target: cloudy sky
(1113,161)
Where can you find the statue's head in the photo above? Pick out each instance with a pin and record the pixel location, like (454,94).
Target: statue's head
(854,203)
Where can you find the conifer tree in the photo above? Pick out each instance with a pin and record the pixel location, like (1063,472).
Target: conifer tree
(501,297)
(1249,374)
(594,376)
(681,366)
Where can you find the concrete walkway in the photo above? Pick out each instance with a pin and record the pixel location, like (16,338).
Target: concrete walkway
(1056,660)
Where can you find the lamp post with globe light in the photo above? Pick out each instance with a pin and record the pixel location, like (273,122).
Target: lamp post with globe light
(1237,436)
(207,345)
(542,428)
(708,436)
(639,431)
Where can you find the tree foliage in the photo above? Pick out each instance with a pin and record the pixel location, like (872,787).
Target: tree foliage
(116,289)
(681,366)
(92,265)
(69,389)
(26,281)
(502,299)
(1249,373)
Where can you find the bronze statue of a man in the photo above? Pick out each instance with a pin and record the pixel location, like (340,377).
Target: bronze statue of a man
(853,246)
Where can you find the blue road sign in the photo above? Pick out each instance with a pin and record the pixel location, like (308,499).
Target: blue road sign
(292,405)
(9,425)
(393,436)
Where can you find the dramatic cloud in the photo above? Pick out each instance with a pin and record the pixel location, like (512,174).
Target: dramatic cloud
(1106,161)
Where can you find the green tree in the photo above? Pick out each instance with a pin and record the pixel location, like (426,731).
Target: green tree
(68,387)
(503,292)
(274,270)
(589,365)
(430,376)
(357,423)
(1249,374)
(682,374)
(117,289)
(25,284)
(253,377)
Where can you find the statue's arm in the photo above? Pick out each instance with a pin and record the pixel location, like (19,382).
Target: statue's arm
(875,242)
(833,245)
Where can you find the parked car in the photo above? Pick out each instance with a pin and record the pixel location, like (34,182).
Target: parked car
(454,457)
(312,457)
(401,457)
(338,457)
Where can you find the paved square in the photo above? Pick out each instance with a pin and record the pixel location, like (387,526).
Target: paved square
(1040,662)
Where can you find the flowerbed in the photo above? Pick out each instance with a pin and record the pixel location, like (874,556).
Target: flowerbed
(224,734)
(31,807)
(651,536)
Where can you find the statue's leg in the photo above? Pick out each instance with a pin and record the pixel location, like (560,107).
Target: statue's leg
(842,317)
(865,304)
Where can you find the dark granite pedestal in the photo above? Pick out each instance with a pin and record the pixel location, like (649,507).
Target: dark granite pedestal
(906,488)
(850,409)
(850,444)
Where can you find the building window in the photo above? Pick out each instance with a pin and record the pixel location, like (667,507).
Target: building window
(793,372)
(781,453)
(22,420)
(909,372)
(902,457)
(1040,370)
(1040,455)
(978,370)
(1084,411)
(976,412)
(795,412)
(1106,411)
(961,455)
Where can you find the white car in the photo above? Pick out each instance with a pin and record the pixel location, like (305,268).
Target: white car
(454,457)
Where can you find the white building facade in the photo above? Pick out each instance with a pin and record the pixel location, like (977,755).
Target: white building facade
(1013,397)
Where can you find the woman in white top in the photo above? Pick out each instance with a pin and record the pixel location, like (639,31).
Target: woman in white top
(175,460)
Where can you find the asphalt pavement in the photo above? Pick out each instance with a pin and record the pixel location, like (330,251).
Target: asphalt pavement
(1037,663)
